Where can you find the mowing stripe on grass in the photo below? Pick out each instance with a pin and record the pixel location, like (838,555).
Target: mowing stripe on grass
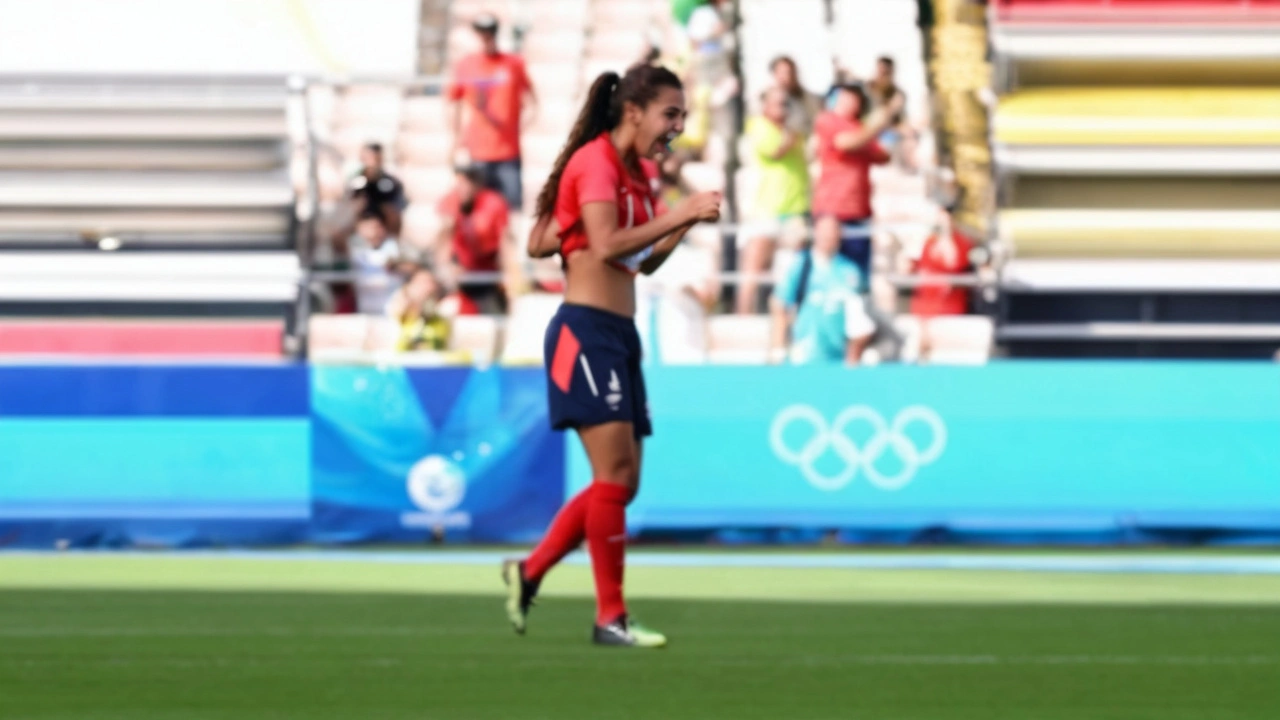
(285,573)
(1019,562)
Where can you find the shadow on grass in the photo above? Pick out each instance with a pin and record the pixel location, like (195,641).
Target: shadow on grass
(128,654)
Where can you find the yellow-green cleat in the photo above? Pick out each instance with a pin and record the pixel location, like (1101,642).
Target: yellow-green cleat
(520,594)
(625,633)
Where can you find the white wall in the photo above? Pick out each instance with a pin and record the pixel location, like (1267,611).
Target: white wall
(784,27)
(208,36)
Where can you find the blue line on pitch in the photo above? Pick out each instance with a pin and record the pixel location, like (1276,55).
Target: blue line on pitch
(1180,564)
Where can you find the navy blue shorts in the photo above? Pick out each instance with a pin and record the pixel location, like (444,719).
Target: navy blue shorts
(593,370)
(855,244)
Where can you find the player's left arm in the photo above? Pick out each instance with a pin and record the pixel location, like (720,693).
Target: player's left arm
(544,239)
(662,250)
(664,247)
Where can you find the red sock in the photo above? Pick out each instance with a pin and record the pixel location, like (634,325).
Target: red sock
(607,541)
(566,533)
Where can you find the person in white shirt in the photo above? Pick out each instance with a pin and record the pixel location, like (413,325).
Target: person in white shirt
(672,306)
(375,256)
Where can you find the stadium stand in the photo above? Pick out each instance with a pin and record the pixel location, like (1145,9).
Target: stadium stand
(133,198)
(565,44)
(1135,145)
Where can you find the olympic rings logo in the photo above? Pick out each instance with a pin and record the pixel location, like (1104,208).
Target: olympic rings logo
(885,436)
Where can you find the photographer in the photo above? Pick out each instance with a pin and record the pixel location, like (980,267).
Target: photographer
(376,191)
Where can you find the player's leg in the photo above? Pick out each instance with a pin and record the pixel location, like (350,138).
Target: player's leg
(523,578)
(622,629)
(611,449)
(614,453)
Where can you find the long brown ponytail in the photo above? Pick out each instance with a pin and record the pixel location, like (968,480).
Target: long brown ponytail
(601,113)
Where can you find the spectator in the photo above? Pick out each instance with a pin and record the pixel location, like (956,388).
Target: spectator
(672,305)
(782,195)
(946,252)
(714,82)
(474,229)
(493,89)
(819,307)
(374,190)
(417,309)
(884,89)
(674,188)
(885,94)
(803,107)
(375,257)
(846,151)
(682,10)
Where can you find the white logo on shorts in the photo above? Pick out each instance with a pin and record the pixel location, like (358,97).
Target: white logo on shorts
(614,398)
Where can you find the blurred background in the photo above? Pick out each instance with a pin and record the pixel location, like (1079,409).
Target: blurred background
(262,277)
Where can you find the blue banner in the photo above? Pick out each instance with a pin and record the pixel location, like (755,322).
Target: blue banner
(401,454)
(257,454)
(1010,447)
(153,455)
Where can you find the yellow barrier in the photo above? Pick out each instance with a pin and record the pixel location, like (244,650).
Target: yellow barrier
(1142,233)
(1140,116)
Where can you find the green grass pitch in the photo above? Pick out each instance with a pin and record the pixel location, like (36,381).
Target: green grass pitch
(150,638)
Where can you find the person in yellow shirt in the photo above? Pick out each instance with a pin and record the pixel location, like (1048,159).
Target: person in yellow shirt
(781,204)
(416,307)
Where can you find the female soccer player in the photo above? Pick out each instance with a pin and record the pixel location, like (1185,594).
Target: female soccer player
(600,211)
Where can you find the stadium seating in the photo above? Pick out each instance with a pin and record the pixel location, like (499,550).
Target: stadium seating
(1138,131)
(141,197)
(738,339)
(566,43)
(473,340)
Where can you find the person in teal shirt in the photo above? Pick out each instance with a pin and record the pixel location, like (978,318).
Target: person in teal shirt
(818,306)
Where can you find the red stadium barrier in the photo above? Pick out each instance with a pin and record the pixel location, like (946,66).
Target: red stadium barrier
(1143,11)
(141,338)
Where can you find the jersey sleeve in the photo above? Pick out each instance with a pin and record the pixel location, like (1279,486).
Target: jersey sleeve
(596,181)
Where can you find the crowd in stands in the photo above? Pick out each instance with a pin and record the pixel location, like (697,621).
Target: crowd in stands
(805,230)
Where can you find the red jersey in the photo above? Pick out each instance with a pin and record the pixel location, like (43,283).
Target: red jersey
(595,174)
(844,182)
(477,237)
(939,298)
(493,87)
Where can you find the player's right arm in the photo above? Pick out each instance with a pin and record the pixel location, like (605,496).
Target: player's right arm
(610,242)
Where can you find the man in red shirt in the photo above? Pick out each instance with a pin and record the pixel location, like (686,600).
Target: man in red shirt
(493,88)
(846,151)
(474,228)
